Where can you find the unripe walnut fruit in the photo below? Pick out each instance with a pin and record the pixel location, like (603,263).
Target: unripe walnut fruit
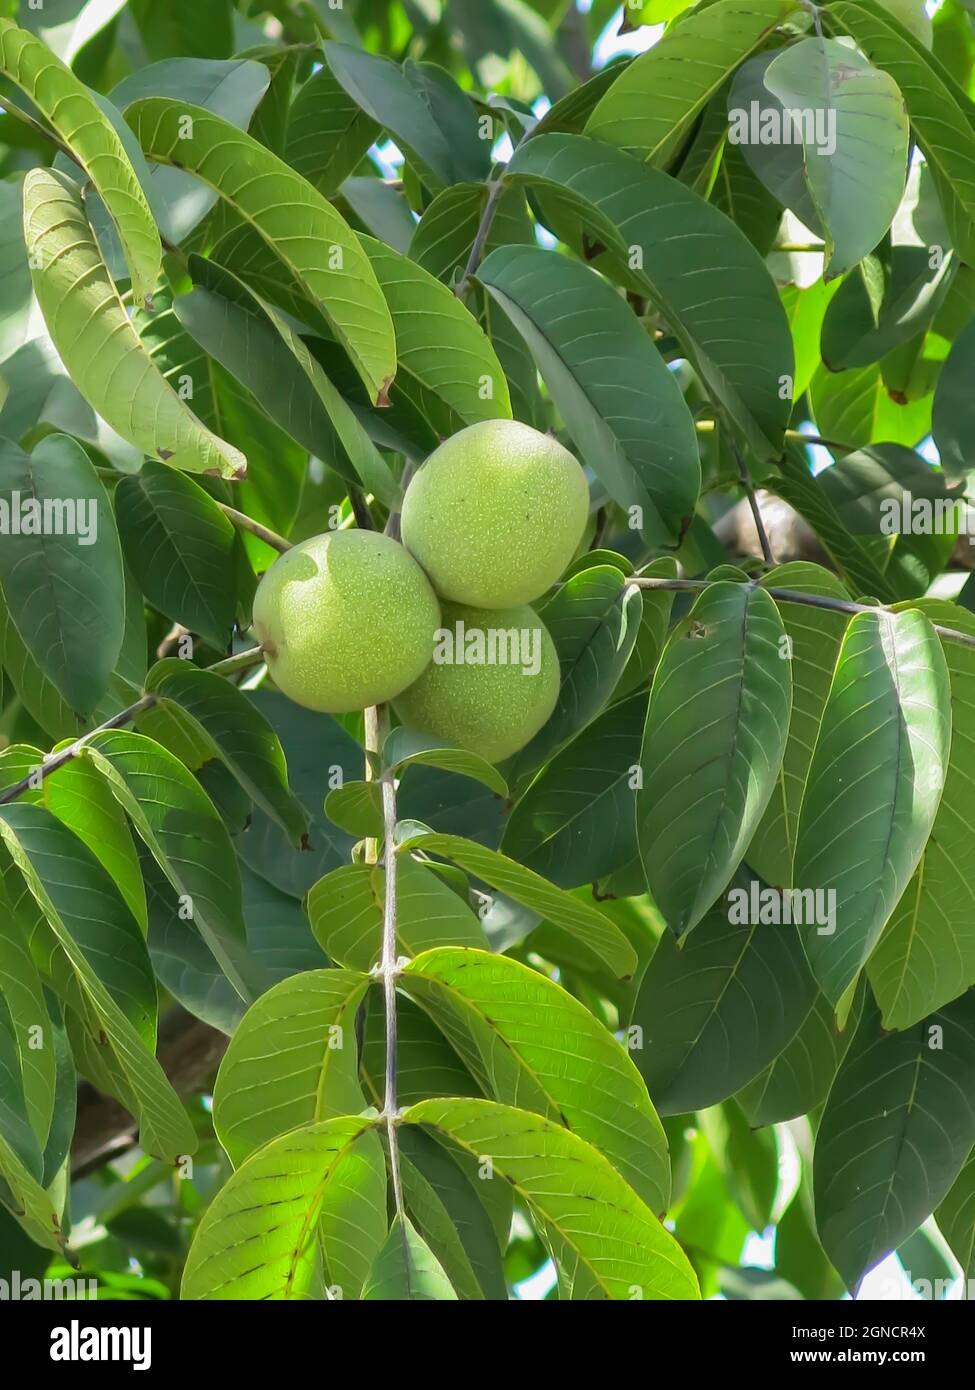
(346,620)
(496,514)
(470,696)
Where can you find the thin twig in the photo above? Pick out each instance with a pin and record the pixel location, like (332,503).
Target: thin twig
(145,701)
(51,764)
(835,605)
(496,188)
(744,477)
(247,523)
(360,509)
(834,445)
(242,661)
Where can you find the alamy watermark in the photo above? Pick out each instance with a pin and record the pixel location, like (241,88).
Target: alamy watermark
(908,515)
(24,515)
(803,907)
(813,127)
(17,1289)
(489,646)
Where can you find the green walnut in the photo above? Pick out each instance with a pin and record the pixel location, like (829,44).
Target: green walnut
(492,684)
(346,620)
(495,514)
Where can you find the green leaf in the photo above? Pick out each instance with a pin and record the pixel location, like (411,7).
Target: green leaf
(814,635)
(420,106)
(604,1239)
(62,580)
(795,485)
(873,492)
(32,1205)
(279,945)
(320,753)
(72,112)
(292,1061)
(257,345)
(444,236)
(269,1210)
(653,101)
(426,1064)
(577,821)
(237,733)
(328,134)
(622,406)
(405,748)
(326,259)
(898,1126)
(357,807)
(442,1191)
(511,1026)
(874,785)
(706,783)
(939,112)
(953,412)
(926,955)
(181,28)
(22,993)
(97,341)
(855,408)
(588,925)
(956,1218)
(345,909)
(799,1257)
(654,625)
(180,548)
(352,1219)
(660,239)
(406,1269)
(715,1012)
(743,198)
(594,620)
(80,799)
(799,1079)
(854,335)
(16,295)
(446,364)
(857,186)
(231,89)
(78,903)
(179,825)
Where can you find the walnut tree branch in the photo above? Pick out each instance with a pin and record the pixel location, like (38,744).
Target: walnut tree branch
(835,605)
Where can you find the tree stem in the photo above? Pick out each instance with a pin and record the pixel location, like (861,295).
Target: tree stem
(247,523)
(835,605)
(376,728)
